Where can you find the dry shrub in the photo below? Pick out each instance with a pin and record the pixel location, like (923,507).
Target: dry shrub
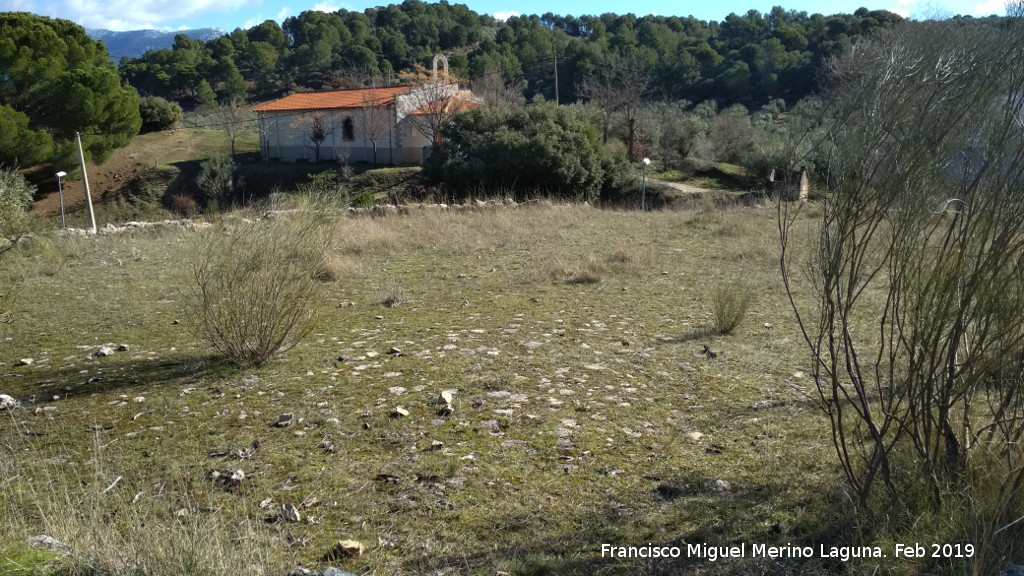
(730,302)
(184,205)
(392,297)
(630,258)
(253,290)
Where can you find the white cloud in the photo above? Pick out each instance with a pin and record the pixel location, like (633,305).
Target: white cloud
(284,13)
(502,16)
(127,14)
(326,7)
(990,7)
(901,11)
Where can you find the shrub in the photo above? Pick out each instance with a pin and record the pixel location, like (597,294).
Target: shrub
(253,291)
(218,180)
(158,114)
(540,148)
(730,302)
(15,194)
(184,205)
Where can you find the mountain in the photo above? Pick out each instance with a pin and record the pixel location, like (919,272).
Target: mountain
(135,43)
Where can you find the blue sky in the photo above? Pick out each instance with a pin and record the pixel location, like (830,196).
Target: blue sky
(231,14)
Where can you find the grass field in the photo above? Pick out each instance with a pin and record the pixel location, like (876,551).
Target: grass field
(584,411)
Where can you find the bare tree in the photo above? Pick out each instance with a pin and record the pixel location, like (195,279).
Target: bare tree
(435,101)
(917,334)
(316,130)
(619,89)
(496,92)
(235,120)
(378,111)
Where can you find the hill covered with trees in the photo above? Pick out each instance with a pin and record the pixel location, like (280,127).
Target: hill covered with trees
(749,59)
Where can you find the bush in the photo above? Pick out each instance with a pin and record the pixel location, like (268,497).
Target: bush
(15,195)
(253,290)
(730,302)
(158,114)
(218,180)
(537,149)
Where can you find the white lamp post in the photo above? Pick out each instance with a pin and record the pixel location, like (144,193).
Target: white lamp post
(60,193)
(643,186)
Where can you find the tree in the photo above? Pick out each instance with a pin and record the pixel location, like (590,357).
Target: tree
(316,130)
(619,89)
(62,82)
(377,116)
(435,101)
(158,114)
(917,334)
(234,120)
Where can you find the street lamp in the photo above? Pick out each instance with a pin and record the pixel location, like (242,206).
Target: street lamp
(60,193)
(643,186)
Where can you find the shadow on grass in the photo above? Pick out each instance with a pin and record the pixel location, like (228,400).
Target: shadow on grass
(113,374)
(686,510)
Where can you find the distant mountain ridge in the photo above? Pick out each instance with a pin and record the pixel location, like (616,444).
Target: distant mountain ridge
(135,43)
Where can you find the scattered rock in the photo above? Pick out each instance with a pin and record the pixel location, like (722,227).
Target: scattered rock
(722,486)
(8,403)
(345,549)
(436,445)
(332,571)
(444,403)
(694,436)
(290,513)
(49,543)
(284,420)
(229,479)
(768,325)
(104,352)
(122,348)
(399,412)
(25,362)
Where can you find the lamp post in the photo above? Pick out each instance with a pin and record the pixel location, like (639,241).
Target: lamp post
(643,186)
(60,193)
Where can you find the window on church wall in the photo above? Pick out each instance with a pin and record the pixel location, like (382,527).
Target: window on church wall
(348,130)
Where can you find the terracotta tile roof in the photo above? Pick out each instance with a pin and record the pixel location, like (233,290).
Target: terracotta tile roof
(334,100)
(452,106)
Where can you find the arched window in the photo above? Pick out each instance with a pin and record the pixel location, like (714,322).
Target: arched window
(348,130)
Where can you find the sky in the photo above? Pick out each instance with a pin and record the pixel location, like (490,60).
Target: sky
(230,14)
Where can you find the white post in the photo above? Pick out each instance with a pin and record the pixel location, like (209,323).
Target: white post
(85,184)
(643,186)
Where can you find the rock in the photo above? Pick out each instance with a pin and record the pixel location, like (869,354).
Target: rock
(444,403)
(290,513)
(230,479)
(694,436)
(8,403)
(49,543)
(122,348)
(25,362)
(332,571)
(104,352)
(1013,571)
(436,445)
(284,420)
(399,412)
(301,572)
(345,549)
(723,486)
(768,325)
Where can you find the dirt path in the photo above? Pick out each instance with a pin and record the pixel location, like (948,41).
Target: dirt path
(686,187)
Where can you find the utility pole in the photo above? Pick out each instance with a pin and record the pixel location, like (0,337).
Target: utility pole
(85,184)
(554,55)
